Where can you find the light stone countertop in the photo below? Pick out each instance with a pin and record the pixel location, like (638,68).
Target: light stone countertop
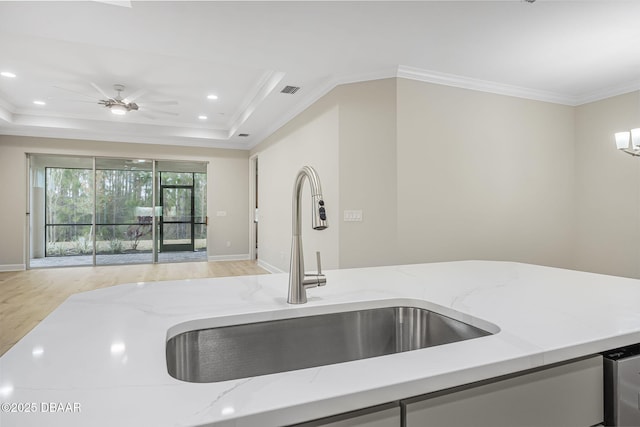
(101,354)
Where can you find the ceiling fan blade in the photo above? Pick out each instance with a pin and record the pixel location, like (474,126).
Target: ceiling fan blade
(100,91)
(148,116)
(158,103)
(135,95)
(76,92)
(169,113)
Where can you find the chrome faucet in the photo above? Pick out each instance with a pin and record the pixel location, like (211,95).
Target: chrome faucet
(298,280)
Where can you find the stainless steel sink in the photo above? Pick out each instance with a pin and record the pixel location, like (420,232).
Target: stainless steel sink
(248,350)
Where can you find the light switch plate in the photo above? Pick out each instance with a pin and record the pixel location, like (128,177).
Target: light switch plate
(353,216)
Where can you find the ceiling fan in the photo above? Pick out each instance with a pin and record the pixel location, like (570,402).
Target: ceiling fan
(120,105)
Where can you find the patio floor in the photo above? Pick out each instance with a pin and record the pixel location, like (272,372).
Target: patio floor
(117,259)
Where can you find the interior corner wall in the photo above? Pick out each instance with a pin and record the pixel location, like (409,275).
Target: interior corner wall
(483,176)
(439,174)
(227,181)
(607,188)
(14,207)
(368,173)
(309,139)
(349,135)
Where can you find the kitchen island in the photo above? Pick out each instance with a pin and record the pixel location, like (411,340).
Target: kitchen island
(99,359)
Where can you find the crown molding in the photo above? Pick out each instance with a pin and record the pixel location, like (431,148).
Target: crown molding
(516,91)
(417,74)
(609,92)
(445,79)
(385,73)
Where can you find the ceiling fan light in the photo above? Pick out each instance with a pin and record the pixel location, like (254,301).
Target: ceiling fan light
(119,110)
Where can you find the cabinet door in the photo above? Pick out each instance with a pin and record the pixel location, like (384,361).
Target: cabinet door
(566,395)
(383,416)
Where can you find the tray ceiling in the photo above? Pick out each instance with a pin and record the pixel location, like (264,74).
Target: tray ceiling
(245,53)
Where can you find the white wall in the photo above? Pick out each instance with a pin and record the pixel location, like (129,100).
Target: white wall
(227,189)
(607,188)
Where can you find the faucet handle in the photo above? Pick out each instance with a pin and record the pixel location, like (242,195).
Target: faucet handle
(317,279)
(321,279)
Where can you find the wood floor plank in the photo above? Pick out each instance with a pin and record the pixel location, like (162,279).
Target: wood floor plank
(27,297)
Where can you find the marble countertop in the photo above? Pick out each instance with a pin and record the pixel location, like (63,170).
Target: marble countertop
(99,359)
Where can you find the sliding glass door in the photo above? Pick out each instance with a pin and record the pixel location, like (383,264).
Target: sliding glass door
(61,211)
(98,211)
(124,211)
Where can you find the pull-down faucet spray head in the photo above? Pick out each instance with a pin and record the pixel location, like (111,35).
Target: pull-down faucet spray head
(319,218)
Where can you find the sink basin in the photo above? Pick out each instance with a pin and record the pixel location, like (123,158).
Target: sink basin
(248,350)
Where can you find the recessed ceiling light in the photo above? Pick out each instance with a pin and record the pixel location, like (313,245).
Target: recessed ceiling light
(202,117)
(212,97)
(7,74)
(38,102)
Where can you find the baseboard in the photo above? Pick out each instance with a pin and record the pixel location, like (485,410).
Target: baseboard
(236,257)
(13,267)
(270,268)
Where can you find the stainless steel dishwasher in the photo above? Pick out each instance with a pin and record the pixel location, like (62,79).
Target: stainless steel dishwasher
(622,387)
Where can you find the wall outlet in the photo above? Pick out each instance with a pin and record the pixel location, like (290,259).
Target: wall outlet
(228,244)
(221,213)
(353,216)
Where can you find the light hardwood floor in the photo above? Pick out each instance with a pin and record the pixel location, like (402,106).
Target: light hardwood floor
(27,297)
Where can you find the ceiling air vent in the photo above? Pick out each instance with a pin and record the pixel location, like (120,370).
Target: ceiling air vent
(244,135)
(290,89)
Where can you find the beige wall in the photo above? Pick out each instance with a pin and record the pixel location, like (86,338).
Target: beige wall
(483,176)
(310,139)
(227,188)
(368,173)
(607,188)
(441,173)
(349,136)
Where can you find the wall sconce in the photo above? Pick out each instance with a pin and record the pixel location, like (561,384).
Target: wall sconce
(624,138)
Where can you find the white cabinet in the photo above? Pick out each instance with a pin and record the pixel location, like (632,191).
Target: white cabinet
(380,416)
(566,395)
